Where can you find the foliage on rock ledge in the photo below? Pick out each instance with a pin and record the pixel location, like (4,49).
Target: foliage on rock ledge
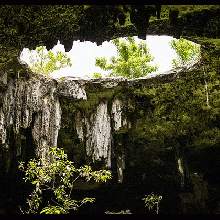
(179,117)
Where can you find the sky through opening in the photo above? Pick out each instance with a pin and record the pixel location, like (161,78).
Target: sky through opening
(83,56)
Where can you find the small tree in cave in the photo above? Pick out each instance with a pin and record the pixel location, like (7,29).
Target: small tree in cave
(132,61)
(57,177)
(151,201)
(186,51)
(45,62)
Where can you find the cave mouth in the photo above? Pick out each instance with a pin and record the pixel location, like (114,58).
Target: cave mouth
(83,56)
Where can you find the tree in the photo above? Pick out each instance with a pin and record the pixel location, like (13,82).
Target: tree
(186,51)
(151,201)
(57,177)
(45,62)
(132,60)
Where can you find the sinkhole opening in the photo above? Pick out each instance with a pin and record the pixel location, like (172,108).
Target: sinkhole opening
(128,57)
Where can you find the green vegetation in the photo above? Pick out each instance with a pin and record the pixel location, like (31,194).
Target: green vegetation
(57,177)
(183,9)
(121,212)
(177,117)
(97,75)
(187,51)
(45,62)
(132,60)
(151,201)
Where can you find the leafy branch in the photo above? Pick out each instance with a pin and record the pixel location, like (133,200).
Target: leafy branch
(57,177)
(187,52)
(151,201)
(45,62)
(132,59)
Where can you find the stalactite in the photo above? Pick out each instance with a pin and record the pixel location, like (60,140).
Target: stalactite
(206,87)
(98,137)
(119,122)
(120,159)
(2,128)
(33,102)
(181,171)
(98,133)
(117,114)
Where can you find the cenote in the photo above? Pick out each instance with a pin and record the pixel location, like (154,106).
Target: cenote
(158,133)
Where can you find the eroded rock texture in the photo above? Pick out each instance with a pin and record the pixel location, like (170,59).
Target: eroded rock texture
(97,132)
(31,103)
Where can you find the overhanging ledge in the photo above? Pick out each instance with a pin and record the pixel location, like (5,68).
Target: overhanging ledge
(111,82)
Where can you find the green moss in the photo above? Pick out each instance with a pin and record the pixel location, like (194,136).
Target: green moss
(184,9)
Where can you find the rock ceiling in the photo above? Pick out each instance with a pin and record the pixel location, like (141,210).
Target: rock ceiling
(34,25)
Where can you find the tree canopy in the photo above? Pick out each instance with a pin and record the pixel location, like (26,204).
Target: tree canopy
(45,62)
(132,60)
(186,51)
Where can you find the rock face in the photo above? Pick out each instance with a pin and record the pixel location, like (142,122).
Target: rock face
(97,133)
(102,128)
(31,103)
(72,88)
(45,24)
(117,123)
